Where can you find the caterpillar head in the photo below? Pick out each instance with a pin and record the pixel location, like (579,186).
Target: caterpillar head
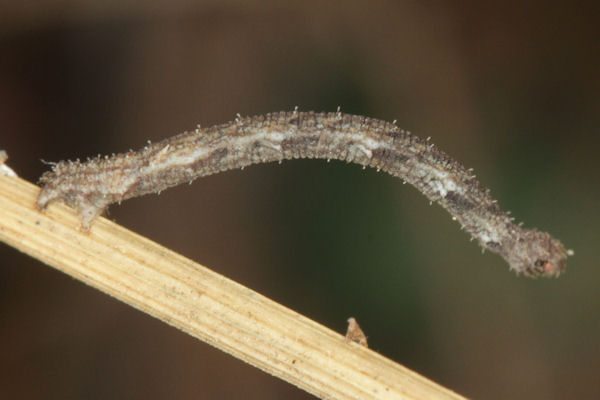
(536,254)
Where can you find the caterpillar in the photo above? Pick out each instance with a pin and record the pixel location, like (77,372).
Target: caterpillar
(91,186)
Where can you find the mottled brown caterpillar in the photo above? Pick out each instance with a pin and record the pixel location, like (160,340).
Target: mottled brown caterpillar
(91,186)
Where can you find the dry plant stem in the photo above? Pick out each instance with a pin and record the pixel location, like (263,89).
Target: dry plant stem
(91,186)
(204,304)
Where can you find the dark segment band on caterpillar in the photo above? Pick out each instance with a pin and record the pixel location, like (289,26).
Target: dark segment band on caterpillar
(90,187)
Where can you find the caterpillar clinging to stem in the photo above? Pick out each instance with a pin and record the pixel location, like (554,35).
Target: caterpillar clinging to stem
(90,187)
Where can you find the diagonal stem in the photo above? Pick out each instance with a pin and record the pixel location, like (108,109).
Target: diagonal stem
(204,304)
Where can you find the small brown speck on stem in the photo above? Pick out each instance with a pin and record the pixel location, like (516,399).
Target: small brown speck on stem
(355,334)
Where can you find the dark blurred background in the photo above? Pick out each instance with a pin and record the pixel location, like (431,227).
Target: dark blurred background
(510,89)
